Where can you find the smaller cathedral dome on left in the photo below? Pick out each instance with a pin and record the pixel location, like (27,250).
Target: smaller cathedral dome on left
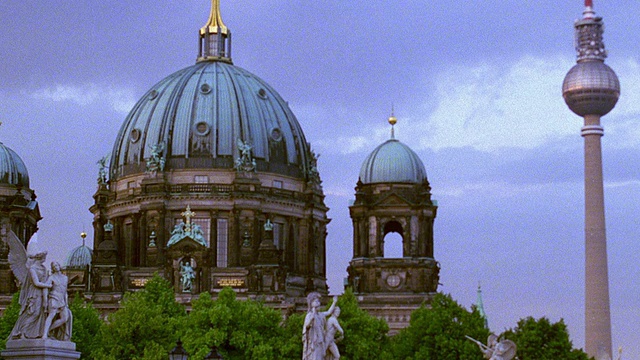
(12,168)
(19,210)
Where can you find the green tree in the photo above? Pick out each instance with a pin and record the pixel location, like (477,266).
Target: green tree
(145,327)
(542,340)
(240,329)
(438,333)
(8,319)
(365,336)
(86,327)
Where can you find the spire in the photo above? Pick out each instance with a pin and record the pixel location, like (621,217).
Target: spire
(480,307)
(215,37)
(392,120)
(589,30)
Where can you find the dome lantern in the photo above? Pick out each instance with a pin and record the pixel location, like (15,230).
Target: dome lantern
(215,37)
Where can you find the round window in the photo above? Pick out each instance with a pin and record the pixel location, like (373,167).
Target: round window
(202,128)
(134,136)
(205,88)
(276,134)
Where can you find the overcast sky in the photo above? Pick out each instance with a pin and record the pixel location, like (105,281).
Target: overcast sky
(476,88)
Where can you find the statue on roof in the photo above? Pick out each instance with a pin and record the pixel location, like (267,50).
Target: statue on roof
(102,172)
(312,173)
(155,162)
(245,162)
(187,229)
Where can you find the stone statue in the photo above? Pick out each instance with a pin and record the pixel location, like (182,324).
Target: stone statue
(59,318)
(314,328)
(28,268)
(245,162)
(312,172)
(102,172)
(188,275)
(191,230)
(155,162)
(496,350)
(333,327)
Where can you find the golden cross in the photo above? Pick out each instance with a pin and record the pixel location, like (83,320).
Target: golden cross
(188,214)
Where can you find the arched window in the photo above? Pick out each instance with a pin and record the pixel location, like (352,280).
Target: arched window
(393,240)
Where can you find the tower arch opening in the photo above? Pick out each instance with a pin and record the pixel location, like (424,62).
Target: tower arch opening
(393,240)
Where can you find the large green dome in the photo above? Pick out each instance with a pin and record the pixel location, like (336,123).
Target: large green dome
(392,162)
(200,113)
(12,168)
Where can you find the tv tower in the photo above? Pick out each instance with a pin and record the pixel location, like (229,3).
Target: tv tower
(591,89)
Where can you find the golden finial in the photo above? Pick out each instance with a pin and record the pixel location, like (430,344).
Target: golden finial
(83,235)
(215,24)
(392,120)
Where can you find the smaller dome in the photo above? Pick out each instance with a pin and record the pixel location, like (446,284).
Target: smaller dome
(79,258)
(591,88)
(392,162)
(12,168)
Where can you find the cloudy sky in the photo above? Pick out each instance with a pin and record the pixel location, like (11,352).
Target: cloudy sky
(476,87)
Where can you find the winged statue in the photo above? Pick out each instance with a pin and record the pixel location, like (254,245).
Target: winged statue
(28,268)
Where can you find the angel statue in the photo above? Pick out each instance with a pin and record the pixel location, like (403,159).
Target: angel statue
(28,268)
(496,349)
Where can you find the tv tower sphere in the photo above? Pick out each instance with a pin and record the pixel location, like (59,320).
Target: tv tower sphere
(591,88)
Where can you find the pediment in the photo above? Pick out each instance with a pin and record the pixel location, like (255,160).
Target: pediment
(187,244)
(392,200)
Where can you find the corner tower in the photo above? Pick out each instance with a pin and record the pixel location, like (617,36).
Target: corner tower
(19,211)
(393,196)
(591,89)
(210,173)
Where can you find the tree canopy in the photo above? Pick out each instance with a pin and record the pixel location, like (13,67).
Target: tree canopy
(542,340)
(438,332)
(150,321)
(146,326)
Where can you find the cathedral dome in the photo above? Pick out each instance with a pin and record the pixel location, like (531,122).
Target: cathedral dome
(12,168)
(201,114)
(392,162)
(79,258)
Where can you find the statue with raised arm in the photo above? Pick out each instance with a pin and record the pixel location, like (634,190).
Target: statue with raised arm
(333,328)
(28,268)
(496,350)
(314,328)
(102,172)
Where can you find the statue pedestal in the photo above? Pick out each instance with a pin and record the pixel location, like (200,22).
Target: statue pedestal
(40,349)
